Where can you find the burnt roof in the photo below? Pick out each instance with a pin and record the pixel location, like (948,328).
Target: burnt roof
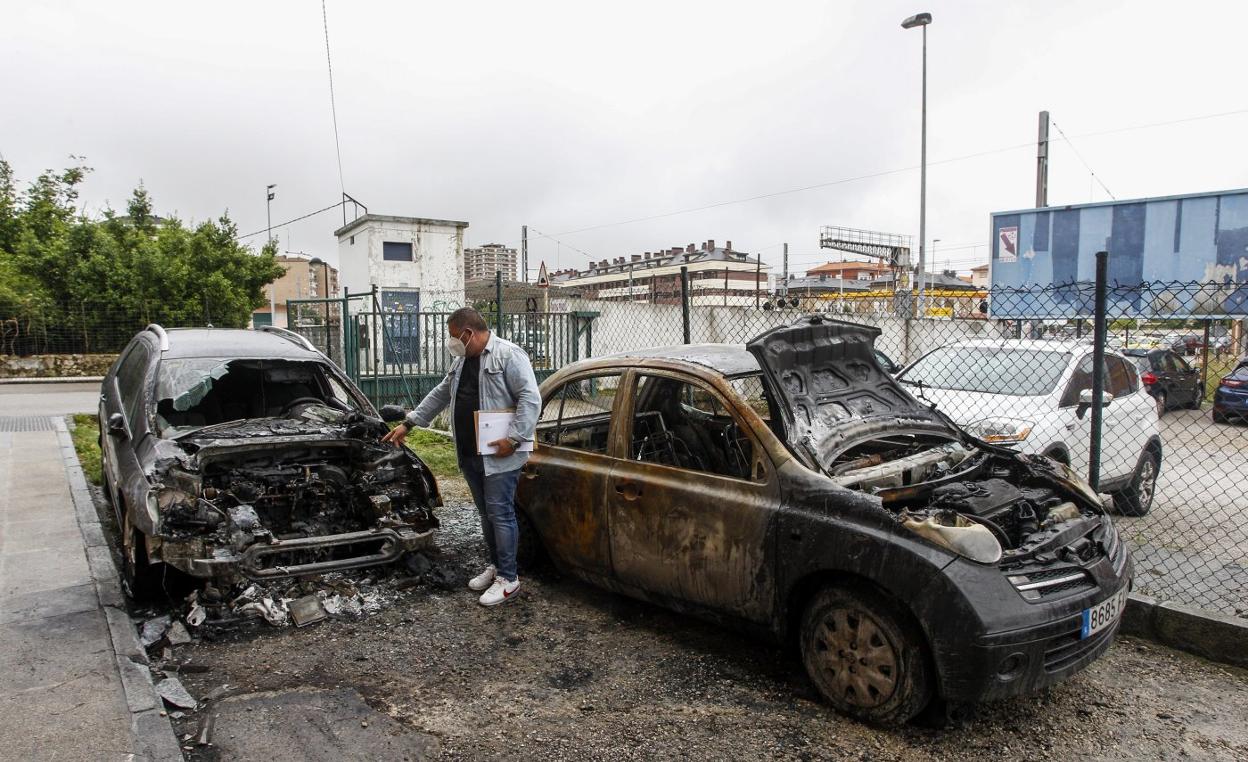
(728,359)
(233,342)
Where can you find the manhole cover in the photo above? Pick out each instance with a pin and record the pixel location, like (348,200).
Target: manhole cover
(25,423)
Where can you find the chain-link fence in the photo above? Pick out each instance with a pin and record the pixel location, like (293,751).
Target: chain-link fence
(1017,367)
(87,328)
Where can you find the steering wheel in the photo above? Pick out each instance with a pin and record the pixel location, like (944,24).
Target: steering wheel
(300,401)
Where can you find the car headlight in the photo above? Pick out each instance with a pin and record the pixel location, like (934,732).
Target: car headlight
(1000,429)
(956,532)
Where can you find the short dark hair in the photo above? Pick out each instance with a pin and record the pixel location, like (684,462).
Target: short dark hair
(467,317)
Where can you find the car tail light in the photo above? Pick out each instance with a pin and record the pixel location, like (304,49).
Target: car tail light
(1228,381)
(1149,378)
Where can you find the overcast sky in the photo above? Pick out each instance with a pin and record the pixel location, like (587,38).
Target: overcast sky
(574,115)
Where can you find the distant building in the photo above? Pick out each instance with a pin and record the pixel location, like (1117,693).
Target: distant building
(302,280)
(415,263)
(717,276)
(859,271)
(979,276)
(483,262)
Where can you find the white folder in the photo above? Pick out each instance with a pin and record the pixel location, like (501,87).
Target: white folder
(492,425)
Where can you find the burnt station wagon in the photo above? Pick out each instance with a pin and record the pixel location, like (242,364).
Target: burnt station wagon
(790,487)
(233,455)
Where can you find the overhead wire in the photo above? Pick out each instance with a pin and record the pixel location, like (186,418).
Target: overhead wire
(1085,164)
(333,105)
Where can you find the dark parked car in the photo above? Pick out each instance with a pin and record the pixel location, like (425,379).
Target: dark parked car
(792,488)
(1168,378)
(234,455)
(1230,399)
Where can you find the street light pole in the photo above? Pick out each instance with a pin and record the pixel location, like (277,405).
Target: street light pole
(922,19)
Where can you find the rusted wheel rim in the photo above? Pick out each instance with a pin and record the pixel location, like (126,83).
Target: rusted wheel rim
(859,663)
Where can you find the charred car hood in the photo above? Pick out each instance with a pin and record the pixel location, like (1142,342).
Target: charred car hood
(829,387)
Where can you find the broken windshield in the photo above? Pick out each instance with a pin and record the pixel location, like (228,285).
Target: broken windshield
(197,392)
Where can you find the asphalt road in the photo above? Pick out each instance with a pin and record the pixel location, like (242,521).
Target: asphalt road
(49,399)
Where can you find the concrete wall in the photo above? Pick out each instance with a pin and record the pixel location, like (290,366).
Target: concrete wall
(625,326)
(436,269)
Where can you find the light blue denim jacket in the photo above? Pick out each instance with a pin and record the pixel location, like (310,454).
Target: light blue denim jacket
(506,382)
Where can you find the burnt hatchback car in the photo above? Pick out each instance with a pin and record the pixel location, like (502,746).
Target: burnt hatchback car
(791,488)
(237,455)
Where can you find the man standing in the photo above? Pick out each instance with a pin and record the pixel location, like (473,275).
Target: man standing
(488,373)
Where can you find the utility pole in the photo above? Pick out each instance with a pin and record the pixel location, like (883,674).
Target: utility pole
(1042,162)
(524,251)
(786,270)
(758,271)
(268,206)
(629,297)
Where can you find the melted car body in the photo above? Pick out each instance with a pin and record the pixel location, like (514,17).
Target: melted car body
(236,455)
(792,488)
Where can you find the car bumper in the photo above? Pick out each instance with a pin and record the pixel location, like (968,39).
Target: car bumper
(294,557)
(1230,402)
(1040,646)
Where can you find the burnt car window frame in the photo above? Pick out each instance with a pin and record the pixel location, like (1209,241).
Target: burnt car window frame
(760,453)
(558,395)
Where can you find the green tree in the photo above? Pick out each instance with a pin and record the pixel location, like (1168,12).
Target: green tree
(121,270)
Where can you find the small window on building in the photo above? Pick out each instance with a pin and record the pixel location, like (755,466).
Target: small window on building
(393,251)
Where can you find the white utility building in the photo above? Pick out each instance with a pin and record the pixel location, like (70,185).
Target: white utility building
(416,263)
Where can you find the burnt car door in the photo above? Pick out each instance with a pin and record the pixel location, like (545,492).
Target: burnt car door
(123,420)
(691,506)
(562,487)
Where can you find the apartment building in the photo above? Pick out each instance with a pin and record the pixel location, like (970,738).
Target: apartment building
(483,262)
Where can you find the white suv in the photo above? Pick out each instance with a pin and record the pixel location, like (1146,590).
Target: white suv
(1035,396)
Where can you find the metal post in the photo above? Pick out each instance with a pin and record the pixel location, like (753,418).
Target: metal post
(684,302)
(629,296)
(1042,162)
(1204,361)
(498,301)
(923,188)
(1098,369)
(524,251)
(725,286)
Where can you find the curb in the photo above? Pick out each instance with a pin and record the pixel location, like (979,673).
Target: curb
(53,380)
(1216,637)
(153,735)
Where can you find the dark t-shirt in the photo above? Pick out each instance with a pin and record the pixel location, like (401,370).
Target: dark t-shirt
(467,403)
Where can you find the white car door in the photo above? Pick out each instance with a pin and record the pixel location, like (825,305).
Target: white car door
(1128,421)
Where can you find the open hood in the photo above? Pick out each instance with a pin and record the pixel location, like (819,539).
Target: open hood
(829,386)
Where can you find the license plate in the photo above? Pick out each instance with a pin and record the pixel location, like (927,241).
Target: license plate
(1103,614)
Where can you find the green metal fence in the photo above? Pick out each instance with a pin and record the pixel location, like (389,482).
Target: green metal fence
(398,357)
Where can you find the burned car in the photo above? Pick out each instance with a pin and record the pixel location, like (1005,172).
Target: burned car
(792,488)
(237,455)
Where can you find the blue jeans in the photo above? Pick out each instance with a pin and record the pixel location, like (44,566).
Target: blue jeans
(495,496)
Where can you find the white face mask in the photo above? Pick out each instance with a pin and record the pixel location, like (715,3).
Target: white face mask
(456,346)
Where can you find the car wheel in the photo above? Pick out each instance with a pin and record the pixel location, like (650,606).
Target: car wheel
(1161,403)
(865,656)
(1137,498)
(142,578)
(1218,417)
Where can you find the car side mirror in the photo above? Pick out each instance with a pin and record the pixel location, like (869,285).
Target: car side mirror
(117,426)
(392,413)
(1085,401)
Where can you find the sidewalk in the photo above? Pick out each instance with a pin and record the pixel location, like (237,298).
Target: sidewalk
(73,684)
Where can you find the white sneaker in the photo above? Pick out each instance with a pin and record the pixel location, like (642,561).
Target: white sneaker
(499,592)
(482,580)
